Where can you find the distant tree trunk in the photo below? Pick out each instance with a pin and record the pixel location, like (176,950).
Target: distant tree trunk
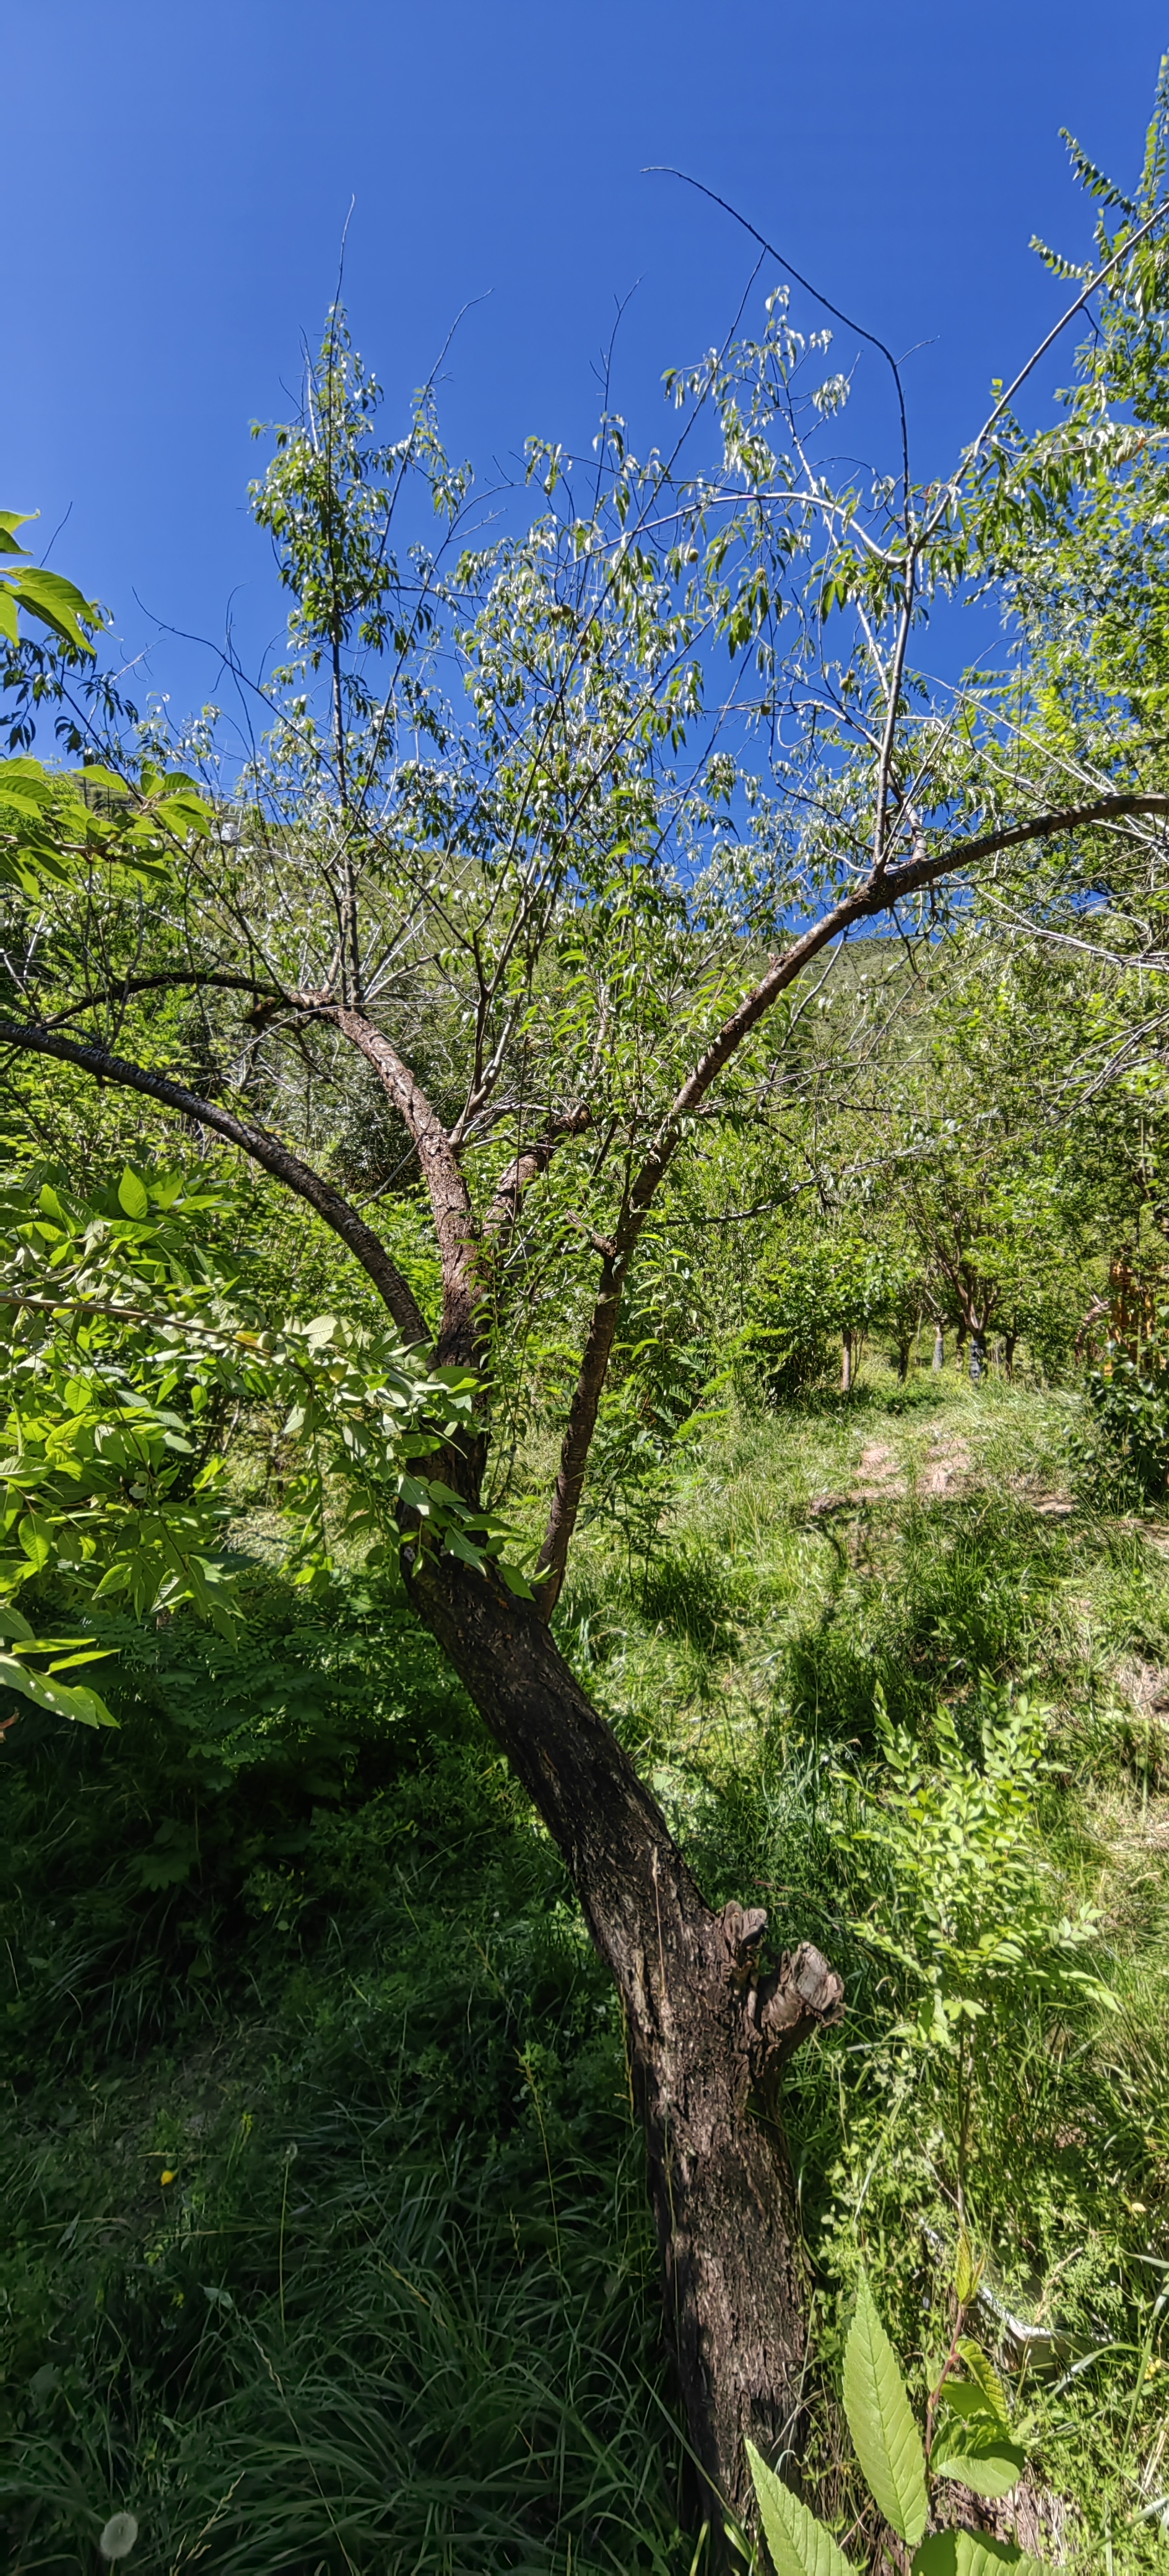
(977,1354)
(846,1364)
(1009,1341)
(708,2034)
(939,1358)
(904,1347)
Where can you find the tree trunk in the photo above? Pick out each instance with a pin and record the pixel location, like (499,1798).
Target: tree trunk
(977,1354)
(1009,1342)
(707,2031)
(846,1364)
(939,1359)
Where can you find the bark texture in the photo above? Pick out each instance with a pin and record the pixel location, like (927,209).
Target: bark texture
(707,2032)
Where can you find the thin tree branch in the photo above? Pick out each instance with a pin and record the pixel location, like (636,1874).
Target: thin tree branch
(666,170)
(129,985)
(527,1167)
(263,1148)
(873,896)
(455,1225)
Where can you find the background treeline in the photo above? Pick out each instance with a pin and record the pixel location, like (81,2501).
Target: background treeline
(289,1939)
(326,2243)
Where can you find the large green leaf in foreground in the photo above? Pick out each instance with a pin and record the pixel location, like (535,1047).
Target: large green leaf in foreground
(799,2545)
(970,2553)
(888,2444)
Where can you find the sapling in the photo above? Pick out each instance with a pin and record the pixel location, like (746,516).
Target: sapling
(968,2440)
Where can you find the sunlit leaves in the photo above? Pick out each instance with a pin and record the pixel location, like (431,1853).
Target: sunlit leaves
(880,2420)
(54,601)
(973,2449)
(798,2544)
(126,1352)
(965,1919)
(59,828)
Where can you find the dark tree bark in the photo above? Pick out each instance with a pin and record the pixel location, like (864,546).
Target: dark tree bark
(709,2030)
(708,2033)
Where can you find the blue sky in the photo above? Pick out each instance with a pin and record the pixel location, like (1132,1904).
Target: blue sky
(178,178)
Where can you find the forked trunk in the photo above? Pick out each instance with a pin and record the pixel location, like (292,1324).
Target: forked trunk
(707,2032)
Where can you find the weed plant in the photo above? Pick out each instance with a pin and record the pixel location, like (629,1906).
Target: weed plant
(327,2244)
(922,1563)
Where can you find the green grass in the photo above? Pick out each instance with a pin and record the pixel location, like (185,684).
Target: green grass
(744,1668)
(395,2309)
(291,1938)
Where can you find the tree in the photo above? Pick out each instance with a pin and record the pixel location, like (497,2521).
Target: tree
(540,836)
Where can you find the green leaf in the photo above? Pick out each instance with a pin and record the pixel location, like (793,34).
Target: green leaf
(36,1538)
(969,2553)
(983,2370)
(799,2545)
(13,1623)
(967,2272)
(965,2397)
(983,2461)
(95,776)
(83,1706)
(515,1581)
(58,604)
(888,2444)
(10,521)
(132,1197)
(29,777)
(457,1545)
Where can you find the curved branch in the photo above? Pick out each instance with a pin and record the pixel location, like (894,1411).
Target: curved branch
(874,896)
(256,1142)
(450,1200)
(878,893)
(223,980)
(526,1167)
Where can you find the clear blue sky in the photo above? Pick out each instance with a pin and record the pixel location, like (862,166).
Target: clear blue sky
(178,175)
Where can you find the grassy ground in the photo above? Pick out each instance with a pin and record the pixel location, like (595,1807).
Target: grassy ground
(290,1940)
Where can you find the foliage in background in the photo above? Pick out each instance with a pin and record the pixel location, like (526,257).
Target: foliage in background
(969,2442)
(381,2300)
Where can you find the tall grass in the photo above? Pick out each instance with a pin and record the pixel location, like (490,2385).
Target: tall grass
(292,1940)
(749,1668)
(393,2307)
